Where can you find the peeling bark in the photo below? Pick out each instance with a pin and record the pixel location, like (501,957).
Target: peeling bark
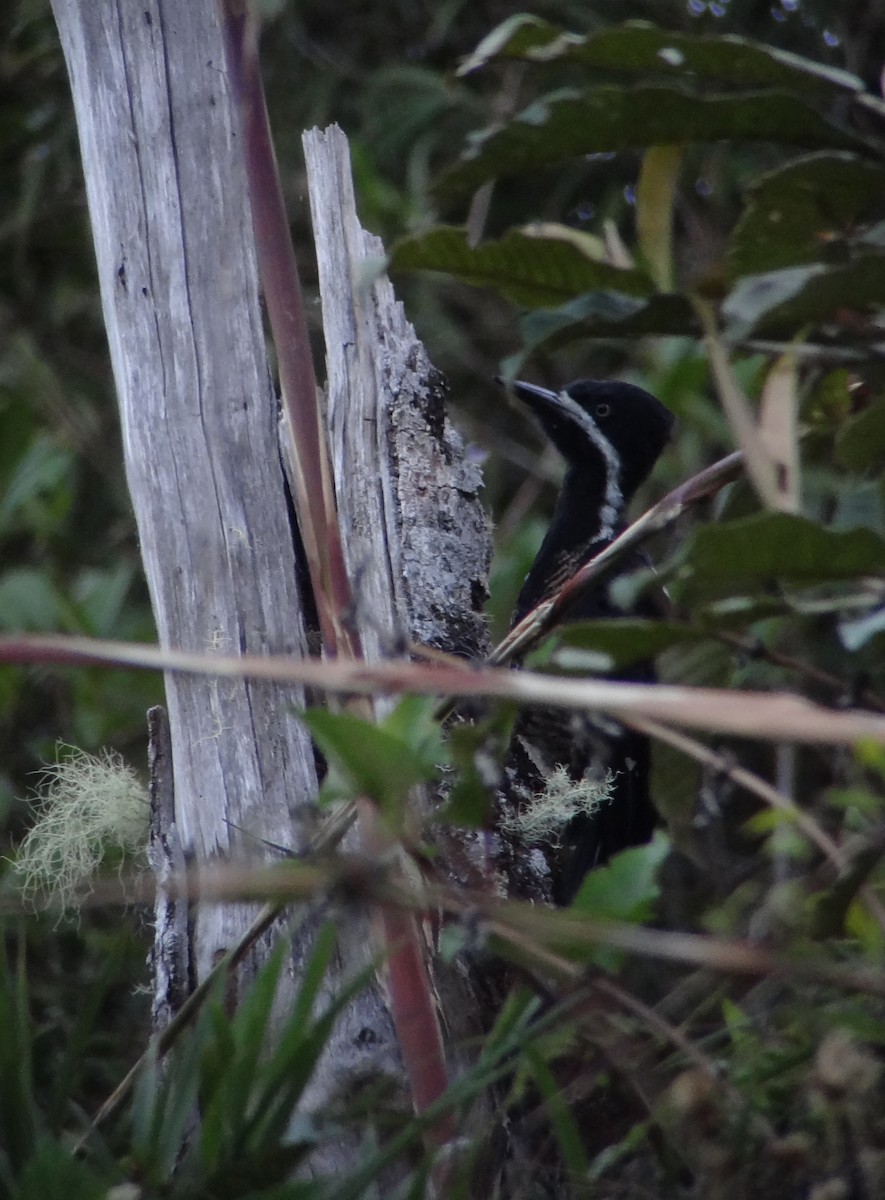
(417,539)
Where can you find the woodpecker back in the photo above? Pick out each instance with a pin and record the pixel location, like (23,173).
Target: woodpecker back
(611,434)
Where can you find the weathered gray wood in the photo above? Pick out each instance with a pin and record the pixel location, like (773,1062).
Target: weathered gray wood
(176,268)
(170,958)
(417,539)
(173,240)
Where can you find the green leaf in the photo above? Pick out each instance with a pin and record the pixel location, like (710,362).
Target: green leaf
(872,755)
(54,1173)
(777,303)
(29,601)
(861,923)
(379,761)
(796,212)
(829,404)
(283,1077)
(517,37)
(856,502)
(568,124)
(621,641)
(164,1098)
(525,266)
(626,888)
(640,48)
(735,1020)
(100,594)
(38,490)
(21,1122)
(608,314)
(571,1143)
(628,1146)
(250,1030)
(477,749)
(252,1072)
(770,548)
(860,444)
(858,800)
(414,721)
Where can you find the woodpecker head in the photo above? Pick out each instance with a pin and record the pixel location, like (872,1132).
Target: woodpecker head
(614,430)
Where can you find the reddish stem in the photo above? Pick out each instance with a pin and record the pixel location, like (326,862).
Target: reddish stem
(411,999)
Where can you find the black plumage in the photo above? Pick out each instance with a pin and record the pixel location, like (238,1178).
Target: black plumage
(611,434)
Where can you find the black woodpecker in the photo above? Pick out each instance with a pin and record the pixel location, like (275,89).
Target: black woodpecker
(611,434)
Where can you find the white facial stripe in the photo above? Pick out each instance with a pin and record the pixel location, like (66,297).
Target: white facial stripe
(614,497)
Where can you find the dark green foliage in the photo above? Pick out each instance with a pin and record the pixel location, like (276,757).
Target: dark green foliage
(68,551)
(619,643)
(686,1082)
(769,550)
(806,211)
(218,1117)
(600,120)
(229,1093)
(532,270)
(381,761)
(53,1057)
(776,303)
(786,245)
(639,48)
(19,1116)
(606,314)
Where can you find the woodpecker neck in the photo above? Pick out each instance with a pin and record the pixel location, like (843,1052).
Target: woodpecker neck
(589,513)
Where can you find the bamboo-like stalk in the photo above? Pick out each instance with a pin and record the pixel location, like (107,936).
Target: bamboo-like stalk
(764,716)
(278,269)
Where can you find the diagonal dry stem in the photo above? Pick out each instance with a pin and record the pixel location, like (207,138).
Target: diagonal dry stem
(764,791)
(548,613)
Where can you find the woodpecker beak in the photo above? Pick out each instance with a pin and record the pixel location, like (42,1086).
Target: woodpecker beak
(540,400)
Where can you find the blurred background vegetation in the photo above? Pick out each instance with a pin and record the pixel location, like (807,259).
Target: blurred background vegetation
(68,549)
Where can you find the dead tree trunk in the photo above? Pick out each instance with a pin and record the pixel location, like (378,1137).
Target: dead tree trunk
(171,225)
(166,190)
(416,538)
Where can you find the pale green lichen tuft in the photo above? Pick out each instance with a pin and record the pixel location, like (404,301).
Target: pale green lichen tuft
(86,807)
(546,815)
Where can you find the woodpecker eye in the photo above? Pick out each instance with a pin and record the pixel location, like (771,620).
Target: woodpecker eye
(602,410)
